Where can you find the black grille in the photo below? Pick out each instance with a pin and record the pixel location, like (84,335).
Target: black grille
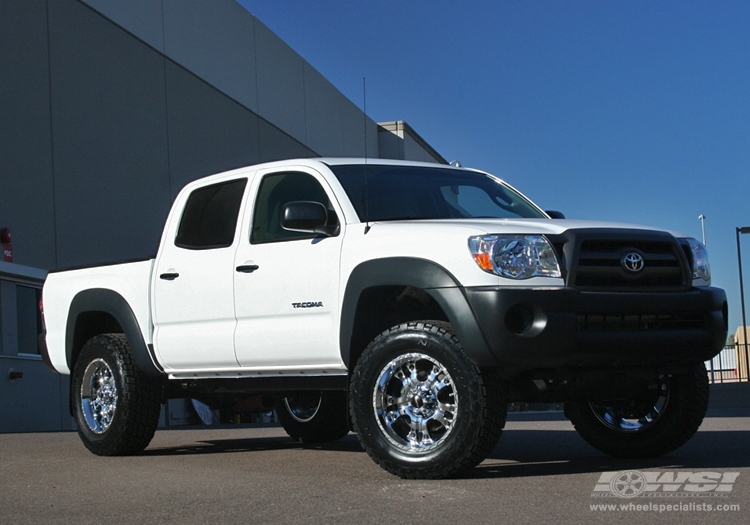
(600,265)
(639,323)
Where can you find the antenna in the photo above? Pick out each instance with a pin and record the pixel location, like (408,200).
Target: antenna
(367,178)
(364,111)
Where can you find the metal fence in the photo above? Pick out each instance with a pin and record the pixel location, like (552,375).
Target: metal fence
(730,365)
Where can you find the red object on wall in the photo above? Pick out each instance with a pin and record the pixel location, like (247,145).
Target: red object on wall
(6,237)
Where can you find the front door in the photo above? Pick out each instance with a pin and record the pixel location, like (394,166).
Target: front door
(287,283)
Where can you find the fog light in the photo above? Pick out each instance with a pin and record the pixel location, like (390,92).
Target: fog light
(525,320)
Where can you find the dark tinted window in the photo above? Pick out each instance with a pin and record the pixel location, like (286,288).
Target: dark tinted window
(383,193)
(210,216)
(275,192)
(29,319)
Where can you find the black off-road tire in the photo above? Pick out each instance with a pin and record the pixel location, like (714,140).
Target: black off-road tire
(622,429)
(314,417)
(116,406)
(426,381)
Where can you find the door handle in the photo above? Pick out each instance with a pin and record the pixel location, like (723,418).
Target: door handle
(169,276)
(247,268)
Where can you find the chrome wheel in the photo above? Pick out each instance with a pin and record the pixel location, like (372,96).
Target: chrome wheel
(415,403)
(420,407)
(98,396)
(314,416)
(638,413)
(303,407)
(116,406)
(661,417)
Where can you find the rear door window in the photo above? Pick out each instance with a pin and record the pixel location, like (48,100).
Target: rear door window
(210,216)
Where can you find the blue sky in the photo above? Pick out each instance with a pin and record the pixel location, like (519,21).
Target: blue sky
(634,111)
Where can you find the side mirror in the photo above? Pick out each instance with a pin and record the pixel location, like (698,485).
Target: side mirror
(553,214)
(308,217)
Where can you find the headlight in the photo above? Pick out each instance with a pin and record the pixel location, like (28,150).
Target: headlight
(701,268)
(515,256)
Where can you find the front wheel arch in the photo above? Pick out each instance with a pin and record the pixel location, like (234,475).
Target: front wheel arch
(423,275)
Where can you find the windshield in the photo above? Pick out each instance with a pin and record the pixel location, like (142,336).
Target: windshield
(389,193)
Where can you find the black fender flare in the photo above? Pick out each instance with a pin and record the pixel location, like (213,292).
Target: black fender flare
(427,276)
(114,304)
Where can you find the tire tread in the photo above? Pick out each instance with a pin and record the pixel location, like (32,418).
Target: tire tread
(491,413)
(688,408)
(138,401)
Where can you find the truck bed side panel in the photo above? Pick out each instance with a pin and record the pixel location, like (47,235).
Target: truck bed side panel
(130,280)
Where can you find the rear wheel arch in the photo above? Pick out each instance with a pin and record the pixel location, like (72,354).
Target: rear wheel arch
(99,311)
(372,284)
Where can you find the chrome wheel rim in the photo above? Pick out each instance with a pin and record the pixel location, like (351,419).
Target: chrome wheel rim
(415,403)
(98,396)
(303,407)
(638,413)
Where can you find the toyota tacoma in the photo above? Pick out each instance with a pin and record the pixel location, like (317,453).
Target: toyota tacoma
(408,302)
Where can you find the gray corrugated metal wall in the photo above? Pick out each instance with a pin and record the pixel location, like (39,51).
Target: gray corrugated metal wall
(108,108)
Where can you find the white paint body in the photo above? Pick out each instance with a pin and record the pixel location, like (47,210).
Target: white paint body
(213,321)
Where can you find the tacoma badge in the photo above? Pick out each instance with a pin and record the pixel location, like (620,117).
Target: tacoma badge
(314,304)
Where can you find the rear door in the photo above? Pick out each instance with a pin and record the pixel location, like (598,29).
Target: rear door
(193,295)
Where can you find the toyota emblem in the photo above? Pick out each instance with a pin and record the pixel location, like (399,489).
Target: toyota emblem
(632,262)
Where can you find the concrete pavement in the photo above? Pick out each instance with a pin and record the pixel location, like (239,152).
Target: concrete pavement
(540,472)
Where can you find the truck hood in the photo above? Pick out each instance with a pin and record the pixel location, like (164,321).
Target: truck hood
(516,226)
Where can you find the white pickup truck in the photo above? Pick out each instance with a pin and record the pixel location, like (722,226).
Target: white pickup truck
(408,302)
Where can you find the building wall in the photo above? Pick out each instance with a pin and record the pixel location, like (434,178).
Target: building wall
(742,351)
(226,46)
(103,130)
(109,107)
(398,140)
(26,180)
(37,400)
(104,120)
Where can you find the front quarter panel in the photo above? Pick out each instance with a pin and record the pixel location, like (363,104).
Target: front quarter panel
(432,256)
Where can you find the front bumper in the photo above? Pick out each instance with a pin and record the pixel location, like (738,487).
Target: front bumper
(530,329)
